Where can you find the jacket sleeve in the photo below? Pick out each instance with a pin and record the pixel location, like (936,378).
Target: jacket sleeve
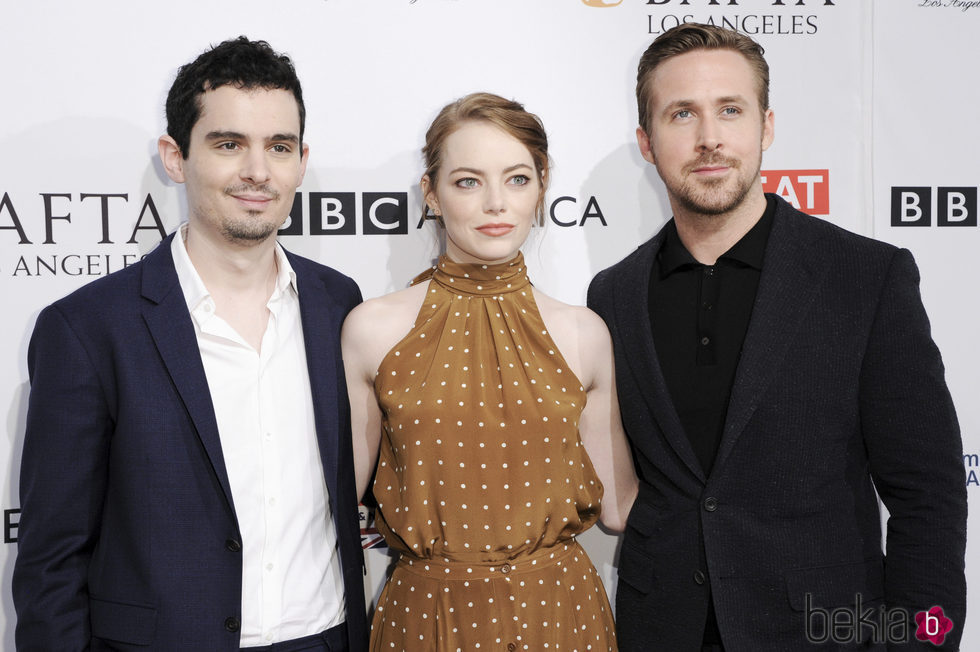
(598,296)
(62,489)
(915,452)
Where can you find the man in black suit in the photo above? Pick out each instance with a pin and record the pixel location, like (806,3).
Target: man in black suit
(187,479)
(782,372)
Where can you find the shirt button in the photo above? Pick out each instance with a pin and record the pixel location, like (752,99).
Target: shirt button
(506,568)
(232,624)
(698,577)
(233,545)
(272,502)
(511,647)
(710,503)
(705,341)
(269,567)
(707,306)
(709,271)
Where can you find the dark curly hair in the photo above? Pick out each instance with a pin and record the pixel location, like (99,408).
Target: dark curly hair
(238,62)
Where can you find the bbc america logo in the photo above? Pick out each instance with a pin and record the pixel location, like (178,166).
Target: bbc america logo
(951,206)
(335,213)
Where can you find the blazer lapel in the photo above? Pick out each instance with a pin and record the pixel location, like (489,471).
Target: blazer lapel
(169,322)
(787,286)
(320,316)
(633,320)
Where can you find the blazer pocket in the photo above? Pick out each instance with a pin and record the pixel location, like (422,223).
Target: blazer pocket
(119,621)
(636,566)
(836,586)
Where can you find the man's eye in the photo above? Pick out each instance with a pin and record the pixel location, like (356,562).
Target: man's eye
(280,149)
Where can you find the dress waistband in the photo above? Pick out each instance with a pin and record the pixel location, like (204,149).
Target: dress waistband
(448,569)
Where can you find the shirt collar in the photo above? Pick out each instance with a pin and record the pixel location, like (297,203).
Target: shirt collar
(750,250)
(286,277)
(673,254)
(196,294)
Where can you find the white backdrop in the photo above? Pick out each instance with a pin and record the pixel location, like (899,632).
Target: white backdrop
(869,95)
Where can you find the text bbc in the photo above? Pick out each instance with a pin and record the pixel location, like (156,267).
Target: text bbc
(921,206)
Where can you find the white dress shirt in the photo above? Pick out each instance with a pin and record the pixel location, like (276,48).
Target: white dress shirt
(291,583)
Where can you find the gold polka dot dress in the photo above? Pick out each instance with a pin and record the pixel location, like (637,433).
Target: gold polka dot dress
(482,479)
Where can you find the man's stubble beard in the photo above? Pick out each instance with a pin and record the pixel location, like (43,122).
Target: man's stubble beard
(254,228)
(250,231)
(708,197)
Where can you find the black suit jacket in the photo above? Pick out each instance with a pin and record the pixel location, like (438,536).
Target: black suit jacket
(839,391)
(128,538)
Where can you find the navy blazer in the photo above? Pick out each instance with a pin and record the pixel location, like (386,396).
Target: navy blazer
(128,537)
(839,391)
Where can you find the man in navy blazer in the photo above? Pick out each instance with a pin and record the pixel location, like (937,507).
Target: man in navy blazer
(187,479)
(776,375)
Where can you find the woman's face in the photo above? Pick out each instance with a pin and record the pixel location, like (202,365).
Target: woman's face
(486,192)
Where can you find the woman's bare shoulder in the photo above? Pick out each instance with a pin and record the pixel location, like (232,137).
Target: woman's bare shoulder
(379,323)
(388,305)
(558,314)
(579,333)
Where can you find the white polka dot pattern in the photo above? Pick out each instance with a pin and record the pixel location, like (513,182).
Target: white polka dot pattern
(482,480)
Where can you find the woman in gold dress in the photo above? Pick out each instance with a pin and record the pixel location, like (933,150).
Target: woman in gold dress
(490,411)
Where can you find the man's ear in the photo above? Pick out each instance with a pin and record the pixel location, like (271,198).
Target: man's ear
(304,159)
(646,151)
(171,157)
(768,129)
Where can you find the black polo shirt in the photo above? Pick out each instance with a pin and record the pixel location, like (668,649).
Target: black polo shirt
(699,314)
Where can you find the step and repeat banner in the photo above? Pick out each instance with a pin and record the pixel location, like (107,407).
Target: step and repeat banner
(876,130)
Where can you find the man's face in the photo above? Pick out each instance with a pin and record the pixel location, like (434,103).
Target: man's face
(245,163)
(706,130)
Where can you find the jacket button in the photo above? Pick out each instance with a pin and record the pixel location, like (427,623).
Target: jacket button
(232,545)
(698,577)
(232,624)
(511,647)
(710,503)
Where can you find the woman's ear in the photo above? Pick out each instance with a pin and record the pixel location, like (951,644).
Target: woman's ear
(429,194)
